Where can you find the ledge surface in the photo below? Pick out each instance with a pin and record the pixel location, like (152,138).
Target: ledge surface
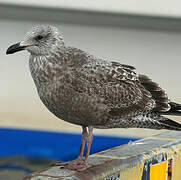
(131,161)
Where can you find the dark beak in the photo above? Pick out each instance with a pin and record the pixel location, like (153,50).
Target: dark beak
(15,48)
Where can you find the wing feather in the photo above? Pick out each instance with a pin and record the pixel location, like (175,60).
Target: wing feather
(123,91)
(117,84)
(158,94)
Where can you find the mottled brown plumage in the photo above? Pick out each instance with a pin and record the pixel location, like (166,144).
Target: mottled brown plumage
(84,90)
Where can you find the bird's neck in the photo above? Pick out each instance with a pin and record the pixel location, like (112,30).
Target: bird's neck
(43,65)
(51,55)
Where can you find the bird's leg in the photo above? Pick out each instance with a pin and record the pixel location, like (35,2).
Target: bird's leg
(89,143)
(79,163)
(83,140)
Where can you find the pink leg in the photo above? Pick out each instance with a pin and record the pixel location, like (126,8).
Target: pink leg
(80,163)
(83,140)
(89,143)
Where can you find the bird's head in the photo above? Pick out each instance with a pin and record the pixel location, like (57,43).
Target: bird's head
(39,40)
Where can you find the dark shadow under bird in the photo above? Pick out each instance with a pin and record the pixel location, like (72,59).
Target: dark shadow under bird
(93,93)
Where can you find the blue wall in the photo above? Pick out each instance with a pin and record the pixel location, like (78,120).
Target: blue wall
(60,146)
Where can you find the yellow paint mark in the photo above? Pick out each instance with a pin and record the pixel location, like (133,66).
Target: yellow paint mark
(134,172)
(158,171)
(176,156)
(161,138)
(111,157)
(167,170)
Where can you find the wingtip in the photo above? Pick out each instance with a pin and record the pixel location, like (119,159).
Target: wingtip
(170,124)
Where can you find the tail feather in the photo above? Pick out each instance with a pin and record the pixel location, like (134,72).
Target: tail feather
(175,109)
(166,123)
(154,121)
(170,124)
(175,106)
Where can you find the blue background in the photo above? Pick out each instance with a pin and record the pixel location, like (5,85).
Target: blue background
(60,146)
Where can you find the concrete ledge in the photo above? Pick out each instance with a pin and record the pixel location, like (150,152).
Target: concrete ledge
(150,158)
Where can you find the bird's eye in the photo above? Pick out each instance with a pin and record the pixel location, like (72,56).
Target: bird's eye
(39,37)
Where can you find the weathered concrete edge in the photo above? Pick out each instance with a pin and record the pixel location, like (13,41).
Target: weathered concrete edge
(130,160)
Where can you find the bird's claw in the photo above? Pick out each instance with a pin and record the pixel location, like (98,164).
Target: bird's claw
(75,165)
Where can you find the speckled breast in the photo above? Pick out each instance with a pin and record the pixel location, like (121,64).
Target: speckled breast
(58,95)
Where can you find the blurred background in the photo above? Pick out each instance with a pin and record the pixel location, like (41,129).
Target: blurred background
(145,34)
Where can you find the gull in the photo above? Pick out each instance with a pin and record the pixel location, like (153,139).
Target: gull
(82,89)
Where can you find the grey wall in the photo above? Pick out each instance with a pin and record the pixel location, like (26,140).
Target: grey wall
(155,53)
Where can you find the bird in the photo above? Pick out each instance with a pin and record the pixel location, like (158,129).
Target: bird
(91,92)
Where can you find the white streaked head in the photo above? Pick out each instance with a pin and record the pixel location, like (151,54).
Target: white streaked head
(40,40)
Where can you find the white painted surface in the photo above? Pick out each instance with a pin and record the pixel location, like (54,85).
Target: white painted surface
(145,7)
(156,54)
